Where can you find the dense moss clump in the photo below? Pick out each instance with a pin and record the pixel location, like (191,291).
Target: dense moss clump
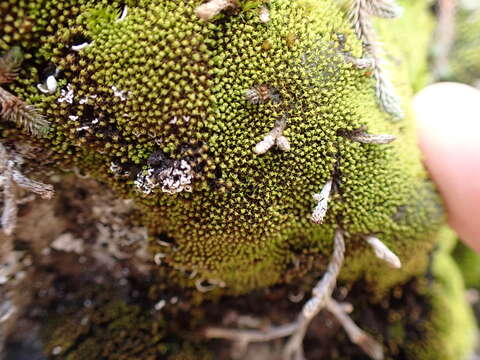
(114,331)
(154,104)
(222,131)
(450,325)
(469,263)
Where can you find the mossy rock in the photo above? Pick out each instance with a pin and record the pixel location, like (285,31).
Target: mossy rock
(114,330)
(162,89)
(153,104)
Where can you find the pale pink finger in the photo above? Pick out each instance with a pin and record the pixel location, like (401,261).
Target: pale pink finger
(449,124)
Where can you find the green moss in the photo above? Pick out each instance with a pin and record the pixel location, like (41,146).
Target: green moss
(426,318)
(189,352)
(114,330)
(469,263)
(162,90)
(450,330)
(163,82)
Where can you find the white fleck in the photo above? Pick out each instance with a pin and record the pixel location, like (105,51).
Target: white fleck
(163,243)
(66,95)
(119,93)
(66,242)
(158,258)
(56,350)
(124,14)
(82,128)
(275,136)
(204,286)
(263,146)
(42,88)
(283,143)
(49,86)
(95,121)
(73,117)
(3,279)
(27,262)
(296,298)
(7,309)
(81,46)
(85,99)
(264,14)
(85,320)
(173,121)
(160,305)
(383,252)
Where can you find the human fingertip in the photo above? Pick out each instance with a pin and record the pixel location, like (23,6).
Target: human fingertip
(448,117)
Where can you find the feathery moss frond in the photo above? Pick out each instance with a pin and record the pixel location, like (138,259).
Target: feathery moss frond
(27,116)
(10,65)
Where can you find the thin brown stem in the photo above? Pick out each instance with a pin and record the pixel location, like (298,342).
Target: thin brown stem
(360,14)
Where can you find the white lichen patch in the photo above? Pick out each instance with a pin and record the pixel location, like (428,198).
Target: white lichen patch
(179,179)
(66,95)
(87,98)
(172,180)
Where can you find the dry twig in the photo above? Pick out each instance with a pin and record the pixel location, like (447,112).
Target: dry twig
(322,298)
(11,178)
(383,252)
(274,137)
(356,335)
(364,137)
(11,107)
(10,65)
(360,13)
(322,203)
